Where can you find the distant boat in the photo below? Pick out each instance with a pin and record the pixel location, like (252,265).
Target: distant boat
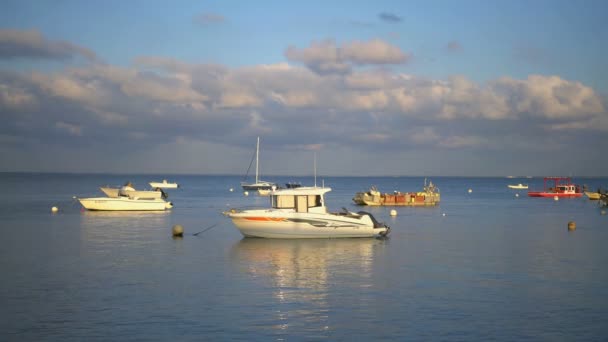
(562,187)
(518,186)
(259,184)
(123,203)
(429,196)
(593,195)
(164,184)
(126,198)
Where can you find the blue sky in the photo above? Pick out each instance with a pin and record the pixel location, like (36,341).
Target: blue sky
(486,87)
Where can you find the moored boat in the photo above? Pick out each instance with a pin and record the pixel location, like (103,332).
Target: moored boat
(164,185)
(518,186)
(562,187)
(124,203)
(429,196)
(258,184)
(593,195)
(301,213)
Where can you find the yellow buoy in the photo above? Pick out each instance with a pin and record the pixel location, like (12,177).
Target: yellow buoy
(54,209)
(177,231)
(516,195)
(571,225)
(231,189)
(555,198)
(470,190)
(246,193)
(393,212)
(603,212)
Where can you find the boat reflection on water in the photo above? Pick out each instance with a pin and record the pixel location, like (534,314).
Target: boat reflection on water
(304,273)
(121,228)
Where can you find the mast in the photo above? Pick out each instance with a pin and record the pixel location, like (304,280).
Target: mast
(257,156)
(315,166)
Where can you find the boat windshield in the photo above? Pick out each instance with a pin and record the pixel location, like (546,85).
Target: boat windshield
(290,201)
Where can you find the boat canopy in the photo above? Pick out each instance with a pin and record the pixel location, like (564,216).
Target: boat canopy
(301,199)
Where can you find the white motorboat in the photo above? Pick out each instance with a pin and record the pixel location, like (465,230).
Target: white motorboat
(124,203)
(164,185)
(259,184)
(518,186)
(301,213)
(132,193)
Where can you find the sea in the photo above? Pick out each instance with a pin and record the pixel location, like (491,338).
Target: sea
(487,264)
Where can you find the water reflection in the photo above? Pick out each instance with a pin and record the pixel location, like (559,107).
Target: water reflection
(121,228)
(304,275)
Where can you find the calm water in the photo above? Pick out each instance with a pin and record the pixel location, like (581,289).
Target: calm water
(495,267)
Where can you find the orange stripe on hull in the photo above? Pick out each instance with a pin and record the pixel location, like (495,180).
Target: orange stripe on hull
(274,219)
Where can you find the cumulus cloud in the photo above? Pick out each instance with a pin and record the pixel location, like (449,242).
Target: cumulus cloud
(161,100)
(206,19)
(390,17)
(31,44)
(326,57)
(454,46)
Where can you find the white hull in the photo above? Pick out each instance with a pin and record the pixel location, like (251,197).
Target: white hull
(164,185)
(518,186)
(123,204)
(283,225)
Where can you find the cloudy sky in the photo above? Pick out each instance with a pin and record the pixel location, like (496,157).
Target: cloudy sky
(459,88)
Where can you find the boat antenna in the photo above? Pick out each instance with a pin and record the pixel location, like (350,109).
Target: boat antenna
(315,166)
(257,160)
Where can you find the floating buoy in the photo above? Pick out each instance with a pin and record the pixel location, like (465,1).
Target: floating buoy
(177,231)
(470,190)
(246,193)
(231,189)
(443,214)
(516,195)
(555,198)
(571,225)
(603,212)
(54,209)
(393,212)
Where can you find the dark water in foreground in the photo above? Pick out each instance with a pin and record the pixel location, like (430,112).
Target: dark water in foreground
(495,267)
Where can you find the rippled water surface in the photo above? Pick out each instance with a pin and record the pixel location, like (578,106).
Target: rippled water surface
(485,265)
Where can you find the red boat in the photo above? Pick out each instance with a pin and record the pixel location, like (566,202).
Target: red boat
(562,187)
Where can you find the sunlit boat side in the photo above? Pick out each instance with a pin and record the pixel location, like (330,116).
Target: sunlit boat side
(301,213)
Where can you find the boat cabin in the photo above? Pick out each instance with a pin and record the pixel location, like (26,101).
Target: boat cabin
(302,199)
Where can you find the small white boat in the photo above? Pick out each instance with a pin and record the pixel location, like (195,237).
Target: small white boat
(518,186)
(301,213)
(124,203)
(164,184)
(593,195)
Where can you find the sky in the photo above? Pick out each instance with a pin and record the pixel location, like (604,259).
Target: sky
(396,88)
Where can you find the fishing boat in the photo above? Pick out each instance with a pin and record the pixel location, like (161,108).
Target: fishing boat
(164,185)
(259,184)
(557,187)
(429,196)
(301,213)
(518,186)
(124,203)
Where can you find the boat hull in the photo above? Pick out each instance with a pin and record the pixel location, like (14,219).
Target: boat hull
(309,226)
(407,199)
(593,195)
(258,186)
(124,204)
(164,185)
(517,186)
(553,194)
